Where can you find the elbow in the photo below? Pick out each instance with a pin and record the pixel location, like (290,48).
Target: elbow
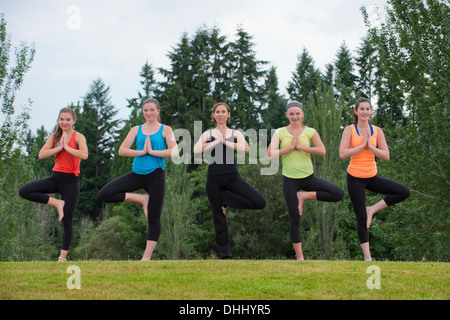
(323,152)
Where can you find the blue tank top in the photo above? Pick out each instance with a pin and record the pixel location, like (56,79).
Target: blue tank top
(148,163)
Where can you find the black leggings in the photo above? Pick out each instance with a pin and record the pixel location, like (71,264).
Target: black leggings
(395,192)
(229,190)
(153,183)
(68,186)
(326,191)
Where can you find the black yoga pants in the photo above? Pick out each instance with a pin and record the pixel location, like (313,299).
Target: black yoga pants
(68,186)
(326,191)
(153,183)
(229,190)
(395,192)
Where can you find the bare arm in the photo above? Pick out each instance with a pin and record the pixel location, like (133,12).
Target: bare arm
(172,147)
(273,150)
(240,145)
(82,151)
(344,149)
(318,149)
(203,145)
(382,151)
(125,148)
(48,150)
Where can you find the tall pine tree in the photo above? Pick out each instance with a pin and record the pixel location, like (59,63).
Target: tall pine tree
(96,119)
(305,78)
(246,83)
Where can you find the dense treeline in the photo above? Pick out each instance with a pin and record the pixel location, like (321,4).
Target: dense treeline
(402,66)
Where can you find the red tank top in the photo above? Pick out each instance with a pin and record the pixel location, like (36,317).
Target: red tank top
(66,162)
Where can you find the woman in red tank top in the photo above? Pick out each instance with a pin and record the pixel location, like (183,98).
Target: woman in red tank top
(69,147)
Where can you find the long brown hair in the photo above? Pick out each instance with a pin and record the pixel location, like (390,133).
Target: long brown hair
(360,100)
(58,132)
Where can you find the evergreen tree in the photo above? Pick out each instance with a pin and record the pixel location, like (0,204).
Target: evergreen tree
(97,122)
(247,98)
(345,82)
(366,63)
(305,78)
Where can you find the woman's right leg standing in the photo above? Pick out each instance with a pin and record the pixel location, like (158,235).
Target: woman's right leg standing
(290,189)
(356,188)
(214,193)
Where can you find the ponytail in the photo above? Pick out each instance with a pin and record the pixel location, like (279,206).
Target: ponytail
(58,132)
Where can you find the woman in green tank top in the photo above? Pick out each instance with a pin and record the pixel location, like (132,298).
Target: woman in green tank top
(293,144)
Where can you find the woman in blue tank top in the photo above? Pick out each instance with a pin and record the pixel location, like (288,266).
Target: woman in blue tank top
(154,143)
(224,185)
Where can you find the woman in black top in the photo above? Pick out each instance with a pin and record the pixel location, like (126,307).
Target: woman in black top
(224,185)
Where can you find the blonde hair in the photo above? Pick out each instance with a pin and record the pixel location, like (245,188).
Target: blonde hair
(154,101)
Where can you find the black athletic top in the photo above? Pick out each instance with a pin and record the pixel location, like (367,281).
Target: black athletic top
(225,161)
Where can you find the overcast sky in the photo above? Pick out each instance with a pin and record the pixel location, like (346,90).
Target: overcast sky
(79,41)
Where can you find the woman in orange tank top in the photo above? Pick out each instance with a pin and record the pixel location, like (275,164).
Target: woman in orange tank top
(362,142)
(69,147)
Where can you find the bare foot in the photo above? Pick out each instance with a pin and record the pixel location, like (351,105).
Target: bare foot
(59,205)
(300,202)
(370,213)
(224,211)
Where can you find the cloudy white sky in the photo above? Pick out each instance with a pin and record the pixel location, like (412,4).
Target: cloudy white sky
(79,41)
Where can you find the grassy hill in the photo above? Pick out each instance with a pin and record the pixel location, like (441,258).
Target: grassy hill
(224,280)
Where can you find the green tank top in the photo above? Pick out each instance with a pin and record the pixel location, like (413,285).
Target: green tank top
(296,164)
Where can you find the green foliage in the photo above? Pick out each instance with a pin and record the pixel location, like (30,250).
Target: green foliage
(414,45)
(305,78)
(401,66)
(96,121)
(13,169)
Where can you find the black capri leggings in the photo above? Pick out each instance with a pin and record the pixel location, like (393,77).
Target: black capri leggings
(68,186)
(153,183)
(326,191)
(229,190)
(395,192)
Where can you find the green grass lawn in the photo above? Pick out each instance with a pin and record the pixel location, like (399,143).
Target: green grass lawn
(224,280)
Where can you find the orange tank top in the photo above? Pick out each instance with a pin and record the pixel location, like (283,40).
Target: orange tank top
(66,162)
(363,164)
